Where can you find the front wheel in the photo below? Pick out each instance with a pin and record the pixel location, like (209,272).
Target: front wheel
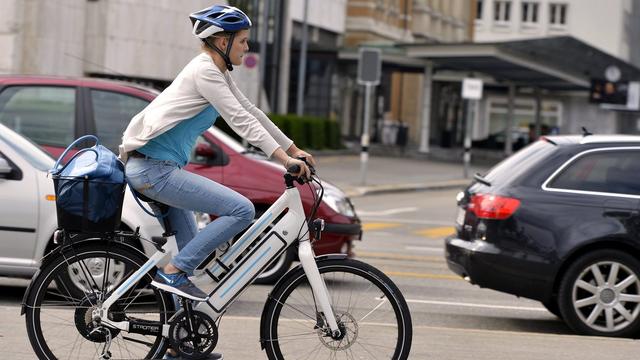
(371,312)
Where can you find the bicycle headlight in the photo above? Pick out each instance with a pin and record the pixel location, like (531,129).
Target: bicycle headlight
(337,200)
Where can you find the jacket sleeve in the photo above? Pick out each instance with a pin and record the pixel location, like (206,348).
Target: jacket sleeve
(212,86)
(273,130)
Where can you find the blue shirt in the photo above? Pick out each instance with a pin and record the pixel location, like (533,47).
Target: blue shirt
(176,144)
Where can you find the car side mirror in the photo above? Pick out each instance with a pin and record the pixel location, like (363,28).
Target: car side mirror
(207,151)
(5,168)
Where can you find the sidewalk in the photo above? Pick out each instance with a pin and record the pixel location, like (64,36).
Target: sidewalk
(392,174)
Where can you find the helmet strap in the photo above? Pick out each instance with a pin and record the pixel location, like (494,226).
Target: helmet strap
(224,55)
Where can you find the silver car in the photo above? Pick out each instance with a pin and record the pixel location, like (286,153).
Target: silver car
(28,211)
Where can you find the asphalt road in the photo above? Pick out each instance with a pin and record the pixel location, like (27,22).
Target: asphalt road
(452,319)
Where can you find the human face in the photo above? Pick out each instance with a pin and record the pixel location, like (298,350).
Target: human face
(240,47)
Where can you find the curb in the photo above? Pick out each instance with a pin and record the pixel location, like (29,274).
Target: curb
(399,188)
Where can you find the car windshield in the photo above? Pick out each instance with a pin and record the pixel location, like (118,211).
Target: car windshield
(27,149)
(513,166)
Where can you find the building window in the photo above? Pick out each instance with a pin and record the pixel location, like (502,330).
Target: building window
(479,4)
(530,12)
(524,119)
(502,11)
(558,14)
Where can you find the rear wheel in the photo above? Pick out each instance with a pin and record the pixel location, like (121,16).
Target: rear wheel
(60,322)
(600,294)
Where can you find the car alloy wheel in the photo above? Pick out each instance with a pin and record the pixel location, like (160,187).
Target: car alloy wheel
(95,268)
(600,294)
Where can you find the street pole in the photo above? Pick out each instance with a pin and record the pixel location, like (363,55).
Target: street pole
(302,68)
(364,139)
(467,138)
(263,49)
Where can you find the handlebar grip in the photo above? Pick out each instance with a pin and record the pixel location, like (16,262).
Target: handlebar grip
(293,169)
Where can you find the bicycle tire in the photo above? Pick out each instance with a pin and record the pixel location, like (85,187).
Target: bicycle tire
(290,309)
(56,320)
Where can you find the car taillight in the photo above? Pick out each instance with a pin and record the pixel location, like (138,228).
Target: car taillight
(494,207)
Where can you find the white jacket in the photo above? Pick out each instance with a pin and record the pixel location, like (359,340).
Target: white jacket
(199,84)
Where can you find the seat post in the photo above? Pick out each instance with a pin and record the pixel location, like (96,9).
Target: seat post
(164,209)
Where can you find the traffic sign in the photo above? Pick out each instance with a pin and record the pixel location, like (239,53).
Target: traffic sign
(369,66)
(472,89)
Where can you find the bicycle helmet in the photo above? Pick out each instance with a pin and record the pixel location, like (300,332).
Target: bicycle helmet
(215,19)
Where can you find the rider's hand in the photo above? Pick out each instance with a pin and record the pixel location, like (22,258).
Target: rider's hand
(296,153)
(304,169)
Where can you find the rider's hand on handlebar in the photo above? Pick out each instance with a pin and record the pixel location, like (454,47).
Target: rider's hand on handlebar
(304,169)
(303,154)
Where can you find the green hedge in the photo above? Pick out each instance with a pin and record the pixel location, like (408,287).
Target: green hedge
(308,132)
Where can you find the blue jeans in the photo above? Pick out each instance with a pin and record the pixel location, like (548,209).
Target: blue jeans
(185,192)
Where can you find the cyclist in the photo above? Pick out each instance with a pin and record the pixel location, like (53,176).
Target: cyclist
(157,143)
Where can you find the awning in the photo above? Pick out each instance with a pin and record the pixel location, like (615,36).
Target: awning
(554,63)
(391,56)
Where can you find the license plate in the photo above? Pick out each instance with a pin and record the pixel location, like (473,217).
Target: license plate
(460,218)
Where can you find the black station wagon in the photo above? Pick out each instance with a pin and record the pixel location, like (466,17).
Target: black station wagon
(559,222)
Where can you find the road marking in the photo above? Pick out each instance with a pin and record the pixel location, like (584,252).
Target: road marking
(387,212)
(409,221)
(483,306)
(469,330)
(423,275)
(391,256)
(439,250)
(379,226)
(438,232)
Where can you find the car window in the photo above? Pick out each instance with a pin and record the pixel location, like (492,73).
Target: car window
(613,171)
(515,165)
(201,160)
(45,114)
(112,113)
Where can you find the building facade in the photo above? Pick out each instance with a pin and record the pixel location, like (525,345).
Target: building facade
(146,40)
(398,103)
(611,26)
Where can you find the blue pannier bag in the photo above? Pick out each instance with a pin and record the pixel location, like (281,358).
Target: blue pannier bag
(89,189)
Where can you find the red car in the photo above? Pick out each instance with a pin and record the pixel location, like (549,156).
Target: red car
(53,111)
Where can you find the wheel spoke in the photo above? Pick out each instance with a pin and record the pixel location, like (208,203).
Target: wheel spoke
(608,312)
(586,286)
(629,298)
(595,269)
(623,311)
(382,302)
(613,273)
(594,314)
(626,282)
(587,301)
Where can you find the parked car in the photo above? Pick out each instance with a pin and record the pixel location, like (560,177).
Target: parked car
(28,212)
(559,222)
(54,111)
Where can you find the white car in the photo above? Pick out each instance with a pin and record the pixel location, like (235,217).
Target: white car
(28,210)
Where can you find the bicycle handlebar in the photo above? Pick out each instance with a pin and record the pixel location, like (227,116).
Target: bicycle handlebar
(294,169)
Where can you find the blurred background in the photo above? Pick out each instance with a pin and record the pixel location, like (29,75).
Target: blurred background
(547,66)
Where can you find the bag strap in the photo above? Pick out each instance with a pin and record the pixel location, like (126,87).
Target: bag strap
(78,140)
(135,196)
(54,171)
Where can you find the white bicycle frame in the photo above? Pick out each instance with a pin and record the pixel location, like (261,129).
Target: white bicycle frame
(232,271)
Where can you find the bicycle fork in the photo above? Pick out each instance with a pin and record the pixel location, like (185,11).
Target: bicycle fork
(320,292)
